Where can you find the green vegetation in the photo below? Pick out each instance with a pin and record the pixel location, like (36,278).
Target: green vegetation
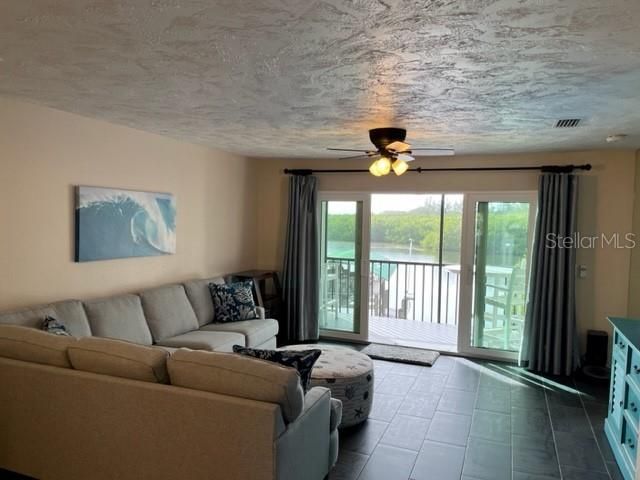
(507,230)
(397,228)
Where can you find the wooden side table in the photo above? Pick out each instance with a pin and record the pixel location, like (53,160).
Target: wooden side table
(267,289)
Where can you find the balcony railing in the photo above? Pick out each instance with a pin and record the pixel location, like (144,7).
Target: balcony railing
(424,292)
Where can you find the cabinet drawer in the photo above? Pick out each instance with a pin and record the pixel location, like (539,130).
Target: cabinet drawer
(632,404)
(629,441)
(634,366)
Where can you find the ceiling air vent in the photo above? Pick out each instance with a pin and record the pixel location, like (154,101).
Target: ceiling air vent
(568,123)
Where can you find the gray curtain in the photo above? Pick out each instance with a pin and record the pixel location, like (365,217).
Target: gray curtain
(301,261)
(550,338)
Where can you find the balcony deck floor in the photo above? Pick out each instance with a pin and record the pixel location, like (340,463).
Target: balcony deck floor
(412,333)
(398,331)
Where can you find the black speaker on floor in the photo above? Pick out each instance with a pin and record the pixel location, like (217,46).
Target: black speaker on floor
(597,348)
(595,360)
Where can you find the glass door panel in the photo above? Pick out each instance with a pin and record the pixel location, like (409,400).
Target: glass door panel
(415,269)
(341,259)
(498,252)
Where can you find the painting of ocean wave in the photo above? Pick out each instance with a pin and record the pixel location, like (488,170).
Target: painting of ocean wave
(113,223)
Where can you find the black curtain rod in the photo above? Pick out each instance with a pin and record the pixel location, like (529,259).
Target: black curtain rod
(542,168)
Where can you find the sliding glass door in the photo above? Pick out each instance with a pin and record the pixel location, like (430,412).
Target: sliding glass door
(344,265)
(440,271)
(497,238)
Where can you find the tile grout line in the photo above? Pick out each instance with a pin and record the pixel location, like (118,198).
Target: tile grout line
(593,432)
(553,434)
(378,442)
(382,435)
(513,452)
(424,439)
(473,414)
(425,435)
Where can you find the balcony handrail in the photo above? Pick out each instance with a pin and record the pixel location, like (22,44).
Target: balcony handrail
(397,262)
(405,295)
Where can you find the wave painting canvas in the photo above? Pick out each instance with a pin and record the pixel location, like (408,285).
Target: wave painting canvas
(113,223)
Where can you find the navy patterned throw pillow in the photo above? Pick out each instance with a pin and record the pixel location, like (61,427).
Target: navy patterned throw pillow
(301,360)
(233,302)
(52,325)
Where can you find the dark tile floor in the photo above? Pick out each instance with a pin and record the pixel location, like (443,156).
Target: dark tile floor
(471,420)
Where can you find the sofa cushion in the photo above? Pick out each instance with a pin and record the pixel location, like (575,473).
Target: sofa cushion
(199,340)
(233,302)
(31,345)
(120,359)
(200,298)
(238,376)
(168,311)
(256,331)
(119,317)
(30,317)
(72,315)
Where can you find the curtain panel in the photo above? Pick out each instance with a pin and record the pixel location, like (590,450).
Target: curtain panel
(550,338)
(301,268)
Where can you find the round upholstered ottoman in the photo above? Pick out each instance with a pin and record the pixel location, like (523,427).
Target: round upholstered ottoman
(348,374)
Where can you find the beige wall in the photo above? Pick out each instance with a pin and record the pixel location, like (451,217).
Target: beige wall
(634,276)
(44,153)
(606,205)
(231,218)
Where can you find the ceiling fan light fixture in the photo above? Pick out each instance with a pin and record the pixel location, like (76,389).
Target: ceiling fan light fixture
(383,165)
(399,167)
(391,151)
(374,169)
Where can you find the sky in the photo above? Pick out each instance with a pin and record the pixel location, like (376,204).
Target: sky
(384,203)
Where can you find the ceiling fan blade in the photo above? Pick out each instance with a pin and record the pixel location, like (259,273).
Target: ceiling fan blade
(364,155)
(405,157)
(435,152)
(351,150)
(398,146)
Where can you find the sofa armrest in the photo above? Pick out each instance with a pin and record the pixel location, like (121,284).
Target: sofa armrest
(303,450)
(261,312)
(336,413)
(313,397)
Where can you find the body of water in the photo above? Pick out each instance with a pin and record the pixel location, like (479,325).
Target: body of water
(385,251)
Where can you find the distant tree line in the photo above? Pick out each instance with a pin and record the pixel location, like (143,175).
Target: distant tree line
(507,231)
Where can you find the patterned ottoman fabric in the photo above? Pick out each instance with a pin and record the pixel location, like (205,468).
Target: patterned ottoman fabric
(348,374)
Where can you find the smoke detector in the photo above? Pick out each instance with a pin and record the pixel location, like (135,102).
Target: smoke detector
(615,138)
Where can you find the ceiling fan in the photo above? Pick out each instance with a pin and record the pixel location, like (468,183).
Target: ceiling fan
(392,151)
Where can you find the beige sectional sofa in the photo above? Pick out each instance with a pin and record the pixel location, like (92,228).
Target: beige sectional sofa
(145,389)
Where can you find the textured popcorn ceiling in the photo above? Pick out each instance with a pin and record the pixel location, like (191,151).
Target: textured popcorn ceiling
(290,78)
